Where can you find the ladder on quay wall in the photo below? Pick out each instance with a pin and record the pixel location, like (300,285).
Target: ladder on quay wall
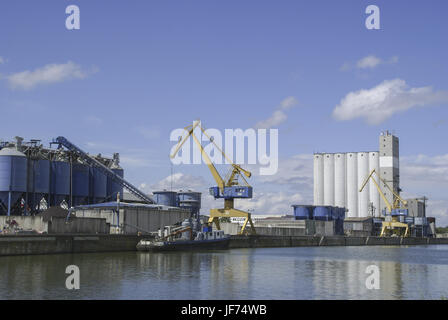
(105,170)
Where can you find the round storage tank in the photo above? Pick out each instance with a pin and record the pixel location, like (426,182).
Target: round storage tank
(98,183)
(352,185)
(302,212)
(38,181)
(113,187)
(60,181)
(329,179)
(322,213)
(374,163)
(166,198)
(363,173)
(339,179)
(13,175)
(190,200)
(318,179)
(80,184)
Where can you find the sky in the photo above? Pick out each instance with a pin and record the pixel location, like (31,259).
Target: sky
(136,70)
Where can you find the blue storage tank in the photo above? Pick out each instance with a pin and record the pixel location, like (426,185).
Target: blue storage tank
(98,185)
(13,176)
(113,187)
(60,181)
(322,213)
(166,198)
(38,181)
(303,212)
(190,200)
(80,184)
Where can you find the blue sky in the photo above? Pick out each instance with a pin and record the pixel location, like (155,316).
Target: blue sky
(137,70)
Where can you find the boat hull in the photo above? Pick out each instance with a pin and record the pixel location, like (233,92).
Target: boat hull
(185,245)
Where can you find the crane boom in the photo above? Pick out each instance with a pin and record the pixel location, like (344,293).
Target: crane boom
(229,189)
(211,166)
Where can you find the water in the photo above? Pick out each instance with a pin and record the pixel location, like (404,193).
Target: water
(419,272)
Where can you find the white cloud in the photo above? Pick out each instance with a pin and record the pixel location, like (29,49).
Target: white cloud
(295,172)
(51,73)
(180,181)
(379,103)
(270,203)
(368,62)
(279,115)
(2,60)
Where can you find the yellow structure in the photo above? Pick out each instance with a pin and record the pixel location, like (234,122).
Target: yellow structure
(232,180)
(393,227)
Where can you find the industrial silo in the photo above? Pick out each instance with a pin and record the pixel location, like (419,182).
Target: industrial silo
(363,173)
(374,163)
(339,179)
(80,184)
(13,177)
(329,179)
(38,182)
(318,180)
(98,185)
(352,184)
(166,198)
(112,186)
(60,182)
(189,200)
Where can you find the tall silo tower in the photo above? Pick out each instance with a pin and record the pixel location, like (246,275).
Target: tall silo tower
(389,166)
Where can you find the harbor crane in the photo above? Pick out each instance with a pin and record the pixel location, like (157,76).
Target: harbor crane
(399,207)
(229,188)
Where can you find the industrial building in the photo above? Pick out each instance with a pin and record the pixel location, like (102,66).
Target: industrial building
(34,178)
(338,178)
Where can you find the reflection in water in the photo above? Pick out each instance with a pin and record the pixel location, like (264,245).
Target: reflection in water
(272,273)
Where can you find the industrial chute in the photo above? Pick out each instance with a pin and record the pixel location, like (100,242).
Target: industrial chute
(232,187)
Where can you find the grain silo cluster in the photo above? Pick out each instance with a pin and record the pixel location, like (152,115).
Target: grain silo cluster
(338,178)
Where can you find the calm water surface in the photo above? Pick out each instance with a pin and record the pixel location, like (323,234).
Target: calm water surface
(419,272)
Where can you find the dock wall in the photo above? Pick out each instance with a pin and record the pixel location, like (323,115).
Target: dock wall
(51,244)
(76,243)
(262,241)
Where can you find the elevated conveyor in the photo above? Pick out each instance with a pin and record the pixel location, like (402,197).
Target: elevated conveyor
(105,170)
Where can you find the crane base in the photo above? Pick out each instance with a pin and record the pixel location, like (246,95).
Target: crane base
(215,214)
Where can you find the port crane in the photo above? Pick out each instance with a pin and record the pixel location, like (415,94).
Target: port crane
(399,207)
(229,188)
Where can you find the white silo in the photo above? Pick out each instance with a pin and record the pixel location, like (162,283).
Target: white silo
(374,163)
(339,180)
(329,179)
(363,172)
(318,179)
(352,184)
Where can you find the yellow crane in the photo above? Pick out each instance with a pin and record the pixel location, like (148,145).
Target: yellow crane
(399,206)
(227,189)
